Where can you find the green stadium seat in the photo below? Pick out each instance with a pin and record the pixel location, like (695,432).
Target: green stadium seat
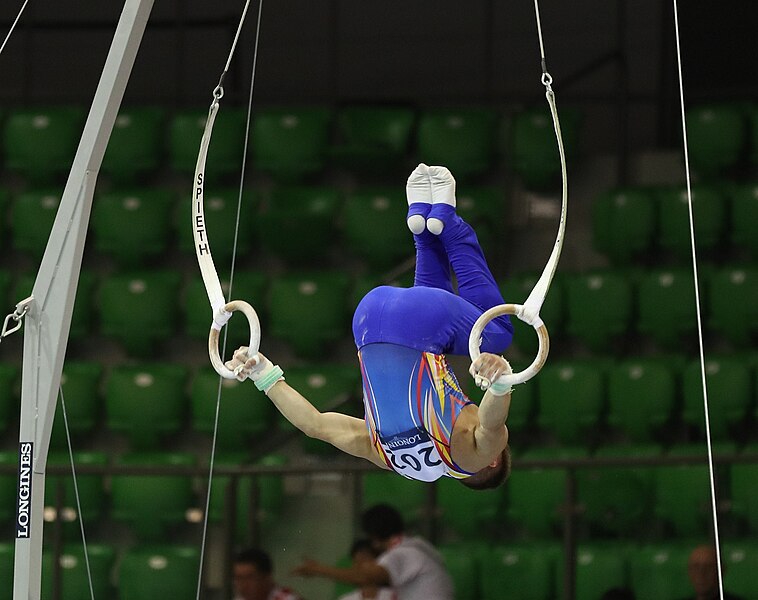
(483,507)
(328,387)
(659,571)
(4,203)
(7,552)
(84,305)
(41,142)
(571,397)
(32,217)
(645,474)
(462,139)
(666,307)
(521,571)
(185,130)
(733,304)
(133,226)
(623,224)
(9,393)
(740,564)
(308,311)
(375,229)
(151,505)
(683,499)
(74,567)
(409,497)
(297,223)
(135,148)
(149,572)
(139,309)
(716,138)
(599,306)
(372,139)
(462,562)
(146,402)
(516,290)
(8,485)
(90,487)
(730,392)
(290,142)
(248,285)
(533,149)
(80,382)
(744,499)
(244,412)
(709,210)
(220,208)
(483,207)
(641,398)
(600,567)
(744,215)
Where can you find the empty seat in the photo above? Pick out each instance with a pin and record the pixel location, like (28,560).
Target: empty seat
(600,567)
(483,207)
(146,402)
(41,142)
(133,226)
(409,497)
(152,504)
(32,216)
(244,412)
(147,572)
(136,145)
(227,145)
(641,397)
(740,562)
(744,213)
(76,572)
(683,498)
(7,552)
(374,227)
(744,499)
(482,507)
(309,311)
(247,285)
(462,563)
(581,381)
(659,571)
(521,571)
(709,210)
(89,487)
(533,147)
(8,394)
(666,307)
(730,391)
(297,223)
(462,139)
(372,139)
(623,223)
(290,142)
(4,203)
(716,138)
(140,309)
(80,382)
(733,304)
(8,486)
(599,307)
(220,209)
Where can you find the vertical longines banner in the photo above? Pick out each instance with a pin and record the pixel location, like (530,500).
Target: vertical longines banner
(24,497)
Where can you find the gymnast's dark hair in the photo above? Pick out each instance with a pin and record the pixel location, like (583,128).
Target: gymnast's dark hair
(256,557)
(382,521)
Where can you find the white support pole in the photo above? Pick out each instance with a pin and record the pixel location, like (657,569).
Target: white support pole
(49,317)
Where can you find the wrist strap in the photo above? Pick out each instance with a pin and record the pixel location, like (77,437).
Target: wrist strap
(269,378)
(500,389)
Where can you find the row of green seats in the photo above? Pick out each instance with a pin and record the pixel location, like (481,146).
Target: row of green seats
(636,502)
(636,223)
(300,224)
(293,142)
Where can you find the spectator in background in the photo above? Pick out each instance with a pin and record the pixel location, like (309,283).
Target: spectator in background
(254,580)
(363,553)
(702,568)
(410,565)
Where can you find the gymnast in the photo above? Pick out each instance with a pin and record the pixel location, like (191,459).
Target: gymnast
(418,422)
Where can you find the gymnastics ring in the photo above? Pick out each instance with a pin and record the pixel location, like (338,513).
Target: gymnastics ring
(255,336)
(475,339)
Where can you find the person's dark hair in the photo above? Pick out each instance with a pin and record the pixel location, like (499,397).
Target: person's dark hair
(491,477)
(618,594)
(362,545)
(382,521)
(256,557)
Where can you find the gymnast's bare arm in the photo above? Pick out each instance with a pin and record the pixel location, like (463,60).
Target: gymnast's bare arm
(346,433)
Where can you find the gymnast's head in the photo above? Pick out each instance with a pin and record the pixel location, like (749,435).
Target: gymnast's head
(493,475)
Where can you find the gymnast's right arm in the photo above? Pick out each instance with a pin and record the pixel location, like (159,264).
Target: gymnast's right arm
(344,432)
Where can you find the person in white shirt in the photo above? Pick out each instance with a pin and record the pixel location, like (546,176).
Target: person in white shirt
(410,565)
(361,553)
(253,578)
